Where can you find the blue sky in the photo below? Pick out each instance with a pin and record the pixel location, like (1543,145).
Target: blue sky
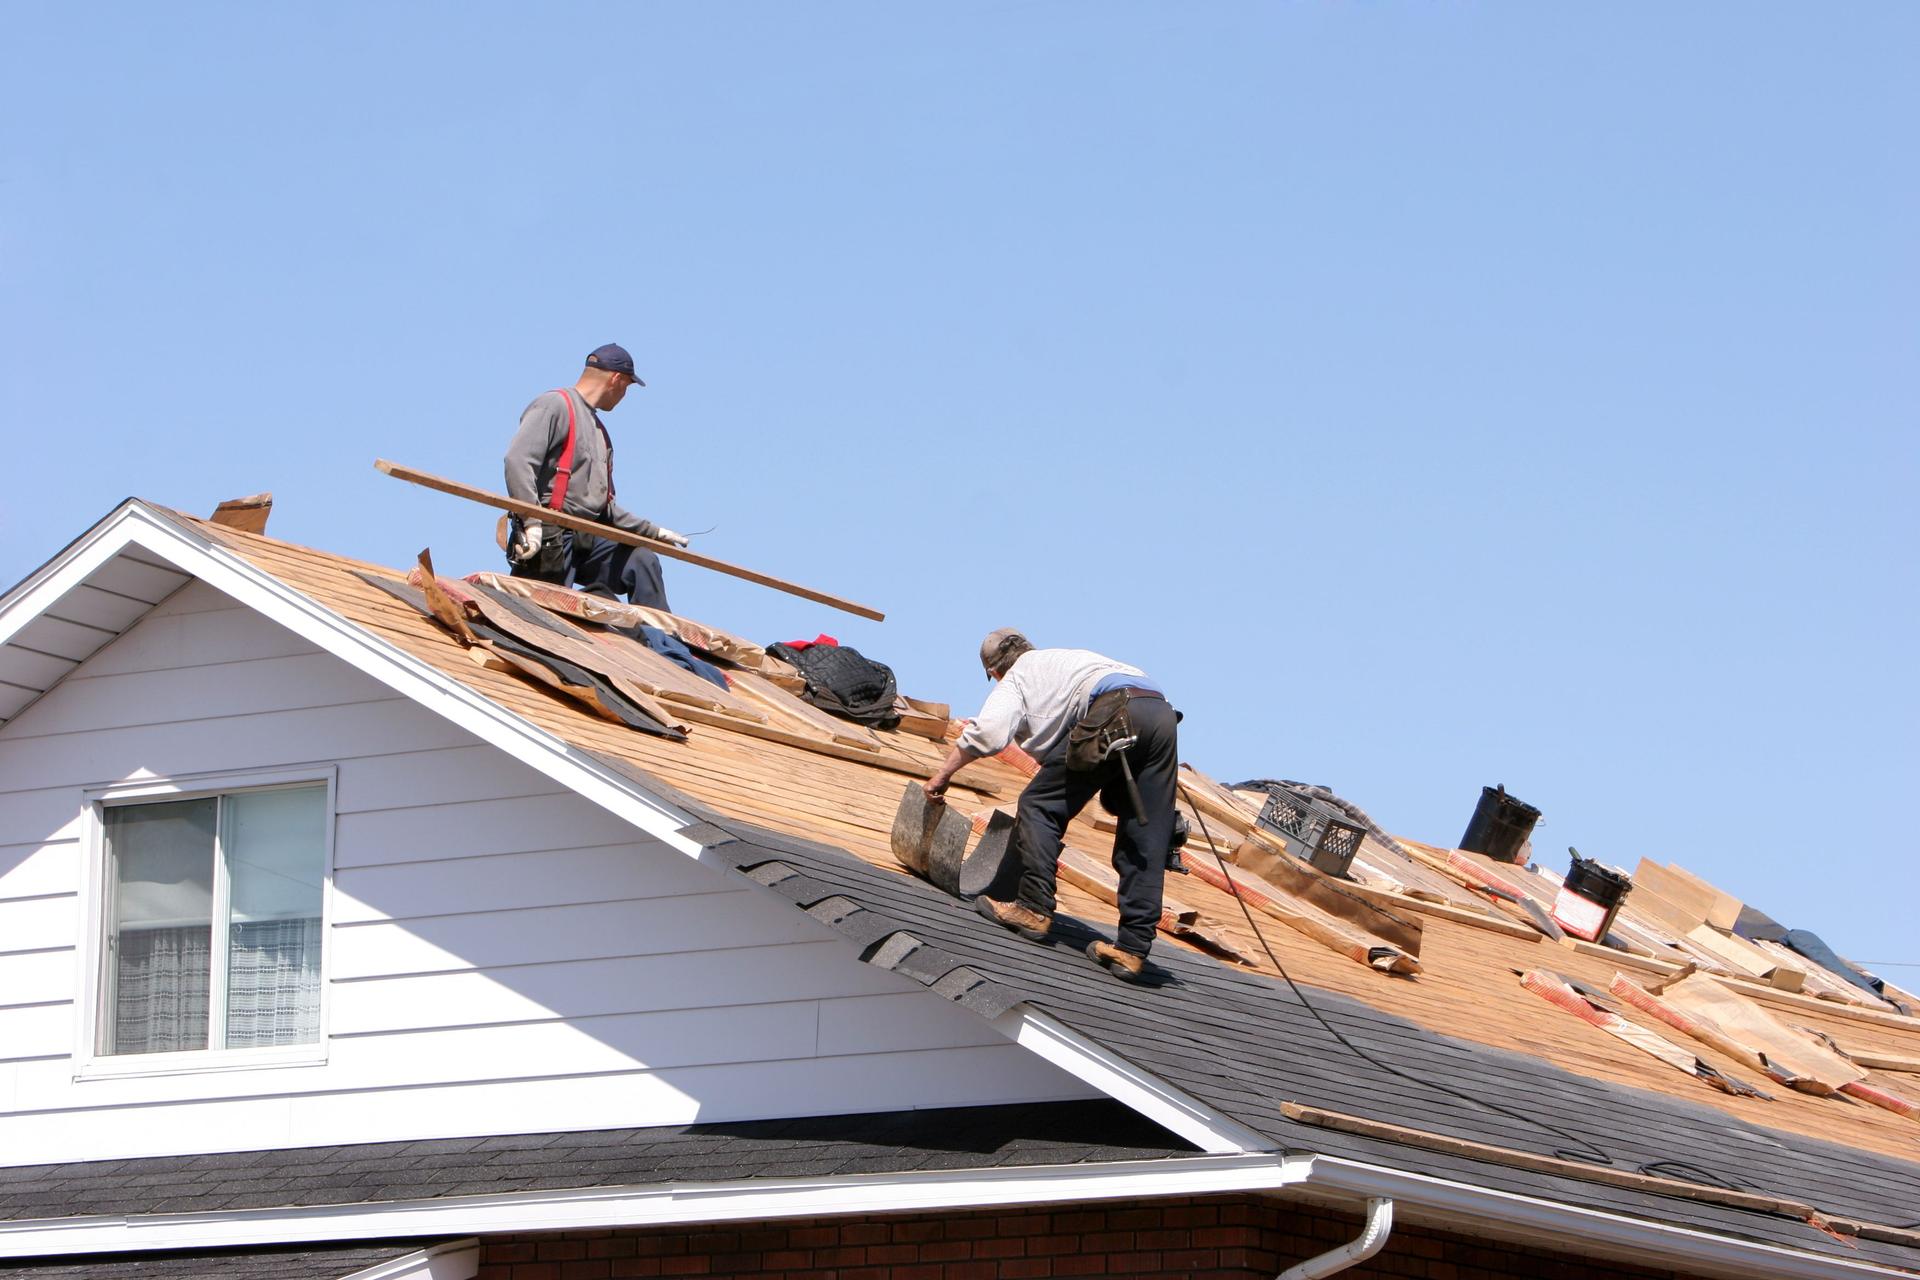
(1430,395)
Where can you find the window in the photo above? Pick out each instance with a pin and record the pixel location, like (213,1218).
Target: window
(213,921)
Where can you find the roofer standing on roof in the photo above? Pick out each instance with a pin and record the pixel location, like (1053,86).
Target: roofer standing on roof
(1063,705)
(561,458)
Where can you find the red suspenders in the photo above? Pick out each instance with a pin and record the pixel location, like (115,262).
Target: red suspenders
(563,471)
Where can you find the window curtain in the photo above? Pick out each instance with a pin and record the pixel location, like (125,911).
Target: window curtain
(161,989)
(273,983)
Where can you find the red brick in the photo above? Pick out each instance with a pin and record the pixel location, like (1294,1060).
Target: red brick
(624,1267)
(946,1250)
(969,1271)
(586,1269)
(846,1256)
(918,1232)
(1053,1244)
(1032,1224)
(970,1228)
(1133,1219)
(813,1237)
(714,1242)
(1080,1264)
(1163,1239)
(727,1264)
(514,1252)
(536,1271)
(1131,1263)
(1224,1237)
(926,1272)
(613,1247)
(1199,1215)
(1002,1248)
(1189,1259)
(693,1265)
(1025,1268)
(1082,1221)
(864,1233)
(561,1250)
(787,1259)
(488,1271)
(1107,1240)
(889,1254)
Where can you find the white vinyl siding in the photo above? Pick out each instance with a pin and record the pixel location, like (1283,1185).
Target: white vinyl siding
(501,955)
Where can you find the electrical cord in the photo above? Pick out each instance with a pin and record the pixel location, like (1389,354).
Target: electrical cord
(1598,1155)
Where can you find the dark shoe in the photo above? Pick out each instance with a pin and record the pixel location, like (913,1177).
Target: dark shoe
(1123,965)
(1025,921)
(1176,865)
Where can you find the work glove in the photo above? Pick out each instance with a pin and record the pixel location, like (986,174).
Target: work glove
(668,536)
(526,544)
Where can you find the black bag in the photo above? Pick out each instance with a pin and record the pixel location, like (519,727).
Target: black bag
(1092,736)
(842,680)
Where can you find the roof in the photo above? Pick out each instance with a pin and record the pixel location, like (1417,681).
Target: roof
(1457,1053)
(369,1173)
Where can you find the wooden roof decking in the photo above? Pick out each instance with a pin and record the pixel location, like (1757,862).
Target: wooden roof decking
(1468,987)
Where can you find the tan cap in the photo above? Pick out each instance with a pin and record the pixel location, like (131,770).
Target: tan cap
(994,648)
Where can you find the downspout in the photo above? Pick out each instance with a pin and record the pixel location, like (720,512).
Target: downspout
(1372,1239)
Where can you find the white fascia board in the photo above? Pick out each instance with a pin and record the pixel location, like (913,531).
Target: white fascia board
(1461,1207)
(41,589)
(671,1204)
(454,1260)
(1120,1080)
(135,524)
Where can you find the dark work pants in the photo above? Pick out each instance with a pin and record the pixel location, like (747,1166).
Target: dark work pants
(601,567)
(1057,793)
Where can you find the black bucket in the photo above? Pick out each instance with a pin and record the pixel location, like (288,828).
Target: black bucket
(1590,898)
(1597,882)
(1500,825)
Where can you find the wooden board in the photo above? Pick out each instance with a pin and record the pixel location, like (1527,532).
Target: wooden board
(530,511)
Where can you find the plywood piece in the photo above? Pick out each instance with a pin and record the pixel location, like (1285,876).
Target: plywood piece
(1720,908)
(1708,1011)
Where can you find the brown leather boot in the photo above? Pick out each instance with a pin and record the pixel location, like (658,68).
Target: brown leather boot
(1123,965)
(1025,921)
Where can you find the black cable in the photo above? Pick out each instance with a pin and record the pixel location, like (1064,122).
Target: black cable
(1599,1156)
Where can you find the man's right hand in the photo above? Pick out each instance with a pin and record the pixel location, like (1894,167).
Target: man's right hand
(526,545)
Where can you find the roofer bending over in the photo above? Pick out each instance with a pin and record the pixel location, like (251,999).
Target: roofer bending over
(561,458)
(1097,727)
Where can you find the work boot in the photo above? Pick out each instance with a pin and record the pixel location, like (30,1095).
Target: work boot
(1123,965)
(1025,921)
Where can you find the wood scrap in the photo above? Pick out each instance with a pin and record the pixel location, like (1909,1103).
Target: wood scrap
(447,613)
(532,511)
(1704,1009)
(1306,884)
(248,514)
(1305,918)
(1743,957)
(799,713)
(1556,991)
(1716,907)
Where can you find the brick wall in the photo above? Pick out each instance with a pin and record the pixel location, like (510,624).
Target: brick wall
(1225,1238)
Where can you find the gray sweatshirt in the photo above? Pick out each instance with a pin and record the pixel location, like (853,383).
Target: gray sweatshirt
(534,454)
(1039,699)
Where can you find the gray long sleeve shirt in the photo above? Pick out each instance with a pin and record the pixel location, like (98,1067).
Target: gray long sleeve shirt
(1039,699)
(534,455)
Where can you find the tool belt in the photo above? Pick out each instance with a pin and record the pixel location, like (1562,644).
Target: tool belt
(1105,729)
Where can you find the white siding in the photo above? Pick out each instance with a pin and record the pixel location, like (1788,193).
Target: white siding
(502,956)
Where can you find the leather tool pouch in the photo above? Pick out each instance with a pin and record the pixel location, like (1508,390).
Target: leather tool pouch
(1105,723)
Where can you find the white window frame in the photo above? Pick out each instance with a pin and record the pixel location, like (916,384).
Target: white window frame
(89,1062)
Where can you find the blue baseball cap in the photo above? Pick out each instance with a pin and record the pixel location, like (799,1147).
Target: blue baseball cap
(614,358)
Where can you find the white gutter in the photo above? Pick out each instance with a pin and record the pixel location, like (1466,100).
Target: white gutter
(669,1204)
(1372,1239)
(1461,1207)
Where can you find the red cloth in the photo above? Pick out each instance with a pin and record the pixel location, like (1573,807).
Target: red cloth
(822,638)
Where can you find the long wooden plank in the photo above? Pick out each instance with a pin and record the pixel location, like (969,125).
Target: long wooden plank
(1544,1164)
(530,511)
